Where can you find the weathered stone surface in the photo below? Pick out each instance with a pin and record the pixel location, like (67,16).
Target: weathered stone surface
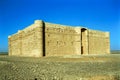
(47,39)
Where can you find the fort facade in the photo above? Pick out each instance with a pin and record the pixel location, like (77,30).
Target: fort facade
(46,39)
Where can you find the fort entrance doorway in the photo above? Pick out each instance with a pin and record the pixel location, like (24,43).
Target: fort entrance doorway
(84,41)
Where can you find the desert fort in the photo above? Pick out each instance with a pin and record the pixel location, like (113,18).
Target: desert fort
(47,39)
(64,53)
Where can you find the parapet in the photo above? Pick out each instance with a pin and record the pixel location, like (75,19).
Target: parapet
(77,30)
(9,36)
(38,22)
(107,34)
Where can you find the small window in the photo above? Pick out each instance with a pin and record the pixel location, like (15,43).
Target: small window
(71,43)
(47,29)
(57,42)
(48,35)
(48,42)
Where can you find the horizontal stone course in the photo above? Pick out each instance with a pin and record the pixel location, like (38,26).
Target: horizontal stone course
(47,39)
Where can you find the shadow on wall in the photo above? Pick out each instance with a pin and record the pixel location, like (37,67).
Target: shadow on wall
(43,34)
(83,40)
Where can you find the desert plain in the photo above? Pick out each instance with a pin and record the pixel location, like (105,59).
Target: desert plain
(83,67)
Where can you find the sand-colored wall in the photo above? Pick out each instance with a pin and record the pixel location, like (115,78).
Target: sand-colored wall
(98,42)
(27,42)
(15,45)
(107,36)
(62,40)
(47,39)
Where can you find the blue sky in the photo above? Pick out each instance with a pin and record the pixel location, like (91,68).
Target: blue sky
(94,14)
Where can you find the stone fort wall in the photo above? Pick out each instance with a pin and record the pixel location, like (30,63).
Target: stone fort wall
(62,40)
(47,39)
(27,42)
(99,42)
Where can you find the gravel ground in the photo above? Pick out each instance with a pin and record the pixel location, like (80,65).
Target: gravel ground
(93,67)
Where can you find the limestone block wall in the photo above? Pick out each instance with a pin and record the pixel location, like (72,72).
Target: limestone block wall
(47,39)
(107,36)
(98,42)
(15,45)
(27,42)
(62,40)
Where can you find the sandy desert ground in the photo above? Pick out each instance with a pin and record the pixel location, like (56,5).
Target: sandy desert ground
(91,67)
